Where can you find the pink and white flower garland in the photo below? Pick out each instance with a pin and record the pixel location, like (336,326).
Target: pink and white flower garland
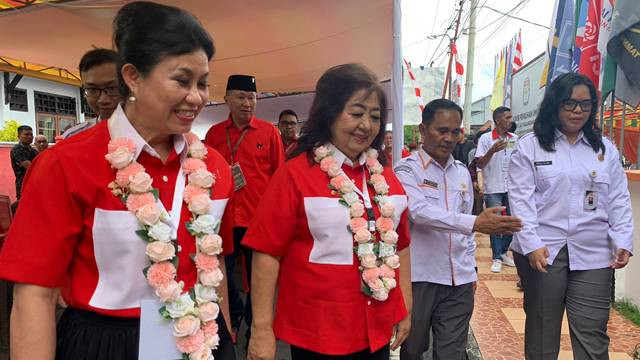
(194,312)
(377,257)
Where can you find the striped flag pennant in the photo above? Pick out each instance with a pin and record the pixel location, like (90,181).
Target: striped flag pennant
(416,88)
(517,58)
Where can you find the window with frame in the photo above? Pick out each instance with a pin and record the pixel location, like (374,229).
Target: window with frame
(18,100)
(54,104)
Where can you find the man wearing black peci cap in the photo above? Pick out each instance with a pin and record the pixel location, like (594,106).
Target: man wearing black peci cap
(254,150)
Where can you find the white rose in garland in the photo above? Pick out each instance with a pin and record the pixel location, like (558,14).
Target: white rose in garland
(194,312)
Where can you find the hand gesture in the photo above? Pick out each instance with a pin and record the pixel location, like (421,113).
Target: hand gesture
(621,260)
(262,345)
(538,259)
(402,331)
(498,145)
(491,222)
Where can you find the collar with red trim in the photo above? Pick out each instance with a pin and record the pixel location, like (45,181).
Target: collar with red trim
(495,135)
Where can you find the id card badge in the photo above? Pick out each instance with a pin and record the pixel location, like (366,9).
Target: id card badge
(590,200)
(239,180)
(511,144)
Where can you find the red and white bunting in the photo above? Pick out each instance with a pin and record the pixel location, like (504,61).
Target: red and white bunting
(416,88)
(457,83)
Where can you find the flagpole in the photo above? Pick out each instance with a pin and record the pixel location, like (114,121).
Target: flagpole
(624,118)
(397,106)
(613,106)
(468,86)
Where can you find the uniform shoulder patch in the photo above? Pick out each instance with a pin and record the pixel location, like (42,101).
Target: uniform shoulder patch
(403,168)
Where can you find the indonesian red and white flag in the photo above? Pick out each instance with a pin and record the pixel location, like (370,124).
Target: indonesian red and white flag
(517,54)
(456,90)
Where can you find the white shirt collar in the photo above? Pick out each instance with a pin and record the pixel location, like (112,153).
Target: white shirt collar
(561,135)
(427,158)
(341,158)
(119,126)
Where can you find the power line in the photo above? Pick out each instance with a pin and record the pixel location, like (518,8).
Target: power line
(515,17)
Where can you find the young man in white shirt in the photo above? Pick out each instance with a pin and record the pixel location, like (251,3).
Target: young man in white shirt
(492,156)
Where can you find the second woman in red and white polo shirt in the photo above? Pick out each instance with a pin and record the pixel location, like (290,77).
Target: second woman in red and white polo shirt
(331,233)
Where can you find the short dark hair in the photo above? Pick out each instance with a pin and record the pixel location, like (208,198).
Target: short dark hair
(499,110)
(287,112)
(433,106)
(334,88)
(95,57)
(22,128)
(144,33)
(547,122)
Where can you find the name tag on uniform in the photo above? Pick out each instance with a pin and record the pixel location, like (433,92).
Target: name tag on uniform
(511,144)
(542,163)
(590,200)
(239,180)
(430,183)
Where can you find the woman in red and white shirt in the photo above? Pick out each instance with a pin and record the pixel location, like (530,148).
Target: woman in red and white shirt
(75,229)
(332,301)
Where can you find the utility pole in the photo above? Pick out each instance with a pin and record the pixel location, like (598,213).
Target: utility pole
(447,80)
(468,85)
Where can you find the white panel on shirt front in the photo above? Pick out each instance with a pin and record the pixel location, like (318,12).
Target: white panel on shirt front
(120,257)
(400,202)
(328,221)
(217,209)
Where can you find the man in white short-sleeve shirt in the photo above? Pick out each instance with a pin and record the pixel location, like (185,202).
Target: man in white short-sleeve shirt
(492,156)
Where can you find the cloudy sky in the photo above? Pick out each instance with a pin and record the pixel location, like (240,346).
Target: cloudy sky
(425,18)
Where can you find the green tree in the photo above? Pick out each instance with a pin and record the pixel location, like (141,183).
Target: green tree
(411,134)
(9,133)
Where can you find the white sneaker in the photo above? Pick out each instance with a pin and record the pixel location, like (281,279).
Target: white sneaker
(496,266)
(507,260)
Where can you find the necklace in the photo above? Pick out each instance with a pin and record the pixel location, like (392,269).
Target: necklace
(193,312)
(377,257)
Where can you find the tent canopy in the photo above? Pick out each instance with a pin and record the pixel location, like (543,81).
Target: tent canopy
(286,44)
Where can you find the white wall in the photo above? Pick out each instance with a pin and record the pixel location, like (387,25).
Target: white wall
(627,284)
(31,85)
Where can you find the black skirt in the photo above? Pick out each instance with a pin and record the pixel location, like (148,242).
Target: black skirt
(86,335)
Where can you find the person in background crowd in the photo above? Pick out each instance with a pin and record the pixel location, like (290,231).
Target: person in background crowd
(463,146)
(99,76)
(476,177)
(253,149)
(492,156)
(388,147)
(288,126)
(21,156)
(95,245)
(41,143)
(567,184)
(327,307)
(443,247)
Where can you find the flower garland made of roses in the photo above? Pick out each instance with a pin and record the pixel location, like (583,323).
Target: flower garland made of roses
(193,312)
(377,258)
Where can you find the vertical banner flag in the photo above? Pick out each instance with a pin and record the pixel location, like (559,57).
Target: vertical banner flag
(608,64)
(624,47)
(561,40)
(456,90)
(517,58)
(416,88)
(582,8)
(589,55)
(497,97)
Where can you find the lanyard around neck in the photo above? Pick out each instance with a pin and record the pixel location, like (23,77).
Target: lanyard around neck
(233,150)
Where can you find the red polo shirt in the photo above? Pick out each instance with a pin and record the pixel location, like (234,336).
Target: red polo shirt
(71,232)
(259,154)
(320,306)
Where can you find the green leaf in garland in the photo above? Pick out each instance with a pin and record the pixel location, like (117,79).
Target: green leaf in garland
(187,224)
(175,261)
(145,271)
(155,193)
(342,202)
(192,293)
(144,235)
(366,289)
(164,313)
(185,356)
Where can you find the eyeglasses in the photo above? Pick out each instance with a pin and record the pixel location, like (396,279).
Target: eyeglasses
(95,92)
(288,124)
(570,105)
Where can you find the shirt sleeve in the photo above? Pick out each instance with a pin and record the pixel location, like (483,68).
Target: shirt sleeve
(521,188)
(45,232)
(423,212)
(277,151)
(483,147)
(620,215)
(471,249)
(274,224)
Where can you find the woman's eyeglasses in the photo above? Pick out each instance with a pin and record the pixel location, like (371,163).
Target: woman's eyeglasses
(570,105)
(95,92)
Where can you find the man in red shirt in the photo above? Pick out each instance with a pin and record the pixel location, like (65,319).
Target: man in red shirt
(388,147)
(254,150)
(287,124)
